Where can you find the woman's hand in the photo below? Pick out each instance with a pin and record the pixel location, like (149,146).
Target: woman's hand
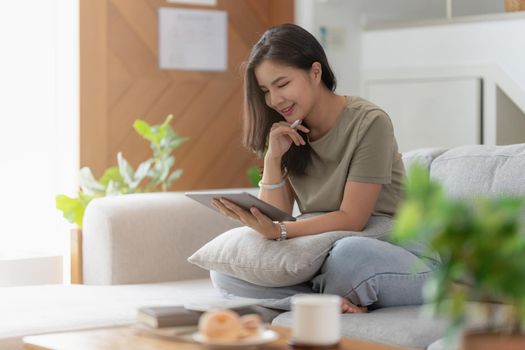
(253,218)
(281,138)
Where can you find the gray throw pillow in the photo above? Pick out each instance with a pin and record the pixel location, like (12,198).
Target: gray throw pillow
(247,255)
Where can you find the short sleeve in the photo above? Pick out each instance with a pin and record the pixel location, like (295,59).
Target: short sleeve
(373,157)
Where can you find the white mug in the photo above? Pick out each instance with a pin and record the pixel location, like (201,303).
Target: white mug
(316,319)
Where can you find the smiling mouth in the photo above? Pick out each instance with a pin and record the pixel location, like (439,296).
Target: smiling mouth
(288,110)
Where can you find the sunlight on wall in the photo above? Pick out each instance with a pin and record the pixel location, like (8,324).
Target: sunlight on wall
(38,121)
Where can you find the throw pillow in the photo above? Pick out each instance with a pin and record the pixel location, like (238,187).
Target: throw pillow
(247,255)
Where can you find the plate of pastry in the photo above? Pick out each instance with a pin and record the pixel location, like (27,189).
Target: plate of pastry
(225,328)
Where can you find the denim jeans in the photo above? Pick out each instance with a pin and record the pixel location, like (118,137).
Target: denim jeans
(367,271)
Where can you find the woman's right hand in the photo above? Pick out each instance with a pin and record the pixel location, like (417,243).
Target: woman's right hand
(281,138)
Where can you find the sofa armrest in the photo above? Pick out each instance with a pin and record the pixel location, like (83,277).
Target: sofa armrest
(147,237)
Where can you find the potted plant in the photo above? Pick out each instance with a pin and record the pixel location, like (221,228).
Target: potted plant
(153,174)
(481,242)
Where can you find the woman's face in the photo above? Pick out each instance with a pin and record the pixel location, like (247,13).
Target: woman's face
(288,90)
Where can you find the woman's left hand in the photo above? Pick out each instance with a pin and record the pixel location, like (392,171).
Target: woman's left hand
(253,218)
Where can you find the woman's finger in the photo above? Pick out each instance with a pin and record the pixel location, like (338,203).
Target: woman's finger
(261,218)
(303,128)
(240,212)
(224,210)
(292,133)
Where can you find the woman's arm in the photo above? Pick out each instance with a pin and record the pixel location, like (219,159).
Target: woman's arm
(281,198)
(357,206)
(280,139)
(358,203)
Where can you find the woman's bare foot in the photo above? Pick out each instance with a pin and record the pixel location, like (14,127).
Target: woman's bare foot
(348,307)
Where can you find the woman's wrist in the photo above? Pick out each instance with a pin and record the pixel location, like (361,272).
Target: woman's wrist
(272,170)
(268,157)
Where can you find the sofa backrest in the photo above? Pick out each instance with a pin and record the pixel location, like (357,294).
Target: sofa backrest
(481,170)
(423,156)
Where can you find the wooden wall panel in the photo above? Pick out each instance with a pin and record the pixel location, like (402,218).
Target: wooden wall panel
(121,82)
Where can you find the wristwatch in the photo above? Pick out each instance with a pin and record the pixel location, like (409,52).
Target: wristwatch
(283,234)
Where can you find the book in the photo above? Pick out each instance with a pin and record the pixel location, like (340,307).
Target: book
(168,316)
(177,316)
(182,333)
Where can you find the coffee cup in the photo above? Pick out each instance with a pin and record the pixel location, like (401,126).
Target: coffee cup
(316,320)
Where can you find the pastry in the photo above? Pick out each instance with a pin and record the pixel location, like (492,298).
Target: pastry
(220,325)
(250,325)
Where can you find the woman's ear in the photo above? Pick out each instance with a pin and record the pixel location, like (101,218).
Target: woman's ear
(316,71)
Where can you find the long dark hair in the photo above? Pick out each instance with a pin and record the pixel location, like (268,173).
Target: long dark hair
(293,46)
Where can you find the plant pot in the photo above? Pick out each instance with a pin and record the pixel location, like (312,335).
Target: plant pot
(491,341)
(76,255)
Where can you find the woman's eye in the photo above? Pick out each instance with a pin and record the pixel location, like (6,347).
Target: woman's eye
(283,85)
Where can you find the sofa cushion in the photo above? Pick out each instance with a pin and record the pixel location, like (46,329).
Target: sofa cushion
(247,255)
(481,170)
(422,156)
(404,326)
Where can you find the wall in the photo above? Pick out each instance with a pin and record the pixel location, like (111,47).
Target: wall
(336,16)
(120,81)
(493,42)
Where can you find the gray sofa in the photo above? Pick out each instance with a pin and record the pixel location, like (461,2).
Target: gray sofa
(136,246)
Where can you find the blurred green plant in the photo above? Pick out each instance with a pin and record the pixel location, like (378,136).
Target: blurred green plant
(254,175)
(151,175)
(481,242)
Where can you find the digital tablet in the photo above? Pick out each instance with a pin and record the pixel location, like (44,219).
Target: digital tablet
(243,200)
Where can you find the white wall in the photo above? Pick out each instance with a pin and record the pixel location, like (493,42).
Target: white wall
(337,17)
(494,42)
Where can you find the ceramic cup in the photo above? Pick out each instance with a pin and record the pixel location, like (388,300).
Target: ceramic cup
(316,319)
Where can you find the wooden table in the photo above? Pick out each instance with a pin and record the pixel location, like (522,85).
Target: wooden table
(129,339)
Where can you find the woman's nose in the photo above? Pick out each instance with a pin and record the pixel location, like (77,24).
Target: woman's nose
(275,99)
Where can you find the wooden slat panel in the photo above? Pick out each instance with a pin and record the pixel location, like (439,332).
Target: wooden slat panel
(93,85)
(128,47)
(135,104)
(176,100)
(121,82)
(245,21)
(280,12)
(119,76)
(142,19)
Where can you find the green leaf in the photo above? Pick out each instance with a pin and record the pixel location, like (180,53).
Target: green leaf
(143,129)
(126,171)
(168,120)
(143,169)
(112,175)
(254,175)
(72,208)
(408,221)
(88,183)
(175,175)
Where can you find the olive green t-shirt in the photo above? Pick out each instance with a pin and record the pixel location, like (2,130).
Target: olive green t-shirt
(360,147)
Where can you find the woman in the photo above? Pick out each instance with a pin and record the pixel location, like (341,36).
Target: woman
(333,154)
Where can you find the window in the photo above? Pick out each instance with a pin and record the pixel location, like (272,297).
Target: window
(38,122)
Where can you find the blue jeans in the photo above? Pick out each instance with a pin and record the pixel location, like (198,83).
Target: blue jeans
(367,271)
